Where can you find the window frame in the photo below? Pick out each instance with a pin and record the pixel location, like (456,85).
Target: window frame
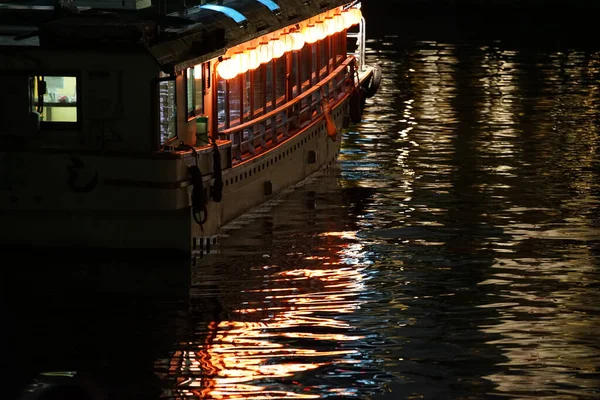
(60,125)
(157,83)
(190,91)
(191,88)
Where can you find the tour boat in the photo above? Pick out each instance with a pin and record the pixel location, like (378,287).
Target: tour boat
(127,127)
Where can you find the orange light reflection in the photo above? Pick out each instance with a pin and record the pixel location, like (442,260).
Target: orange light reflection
(250,358)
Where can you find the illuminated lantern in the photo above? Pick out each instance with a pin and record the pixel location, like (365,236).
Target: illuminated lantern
(288,42)
(198,71)
(235,63)
(244,63)
(339,23)
(298,40)
(253,59)
(319,30)
(308,34)
(226,69)
(265,52)
(348,20)
(356,15)
(278,47)
(330,26)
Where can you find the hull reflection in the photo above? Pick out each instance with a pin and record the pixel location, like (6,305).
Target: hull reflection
(282,323)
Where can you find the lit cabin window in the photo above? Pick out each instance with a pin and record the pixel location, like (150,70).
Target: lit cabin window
(199,87)
(190,91)
(54,98)
(194,91)
(167,110)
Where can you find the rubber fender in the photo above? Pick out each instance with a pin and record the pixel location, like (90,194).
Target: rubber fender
(374,82)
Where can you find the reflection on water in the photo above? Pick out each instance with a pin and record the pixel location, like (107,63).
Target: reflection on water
(454,254)
(280,330)
(487,209)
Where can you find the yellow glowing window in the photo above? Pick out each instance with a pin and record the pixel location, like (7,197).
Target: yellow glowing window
(58,100)
(195,90)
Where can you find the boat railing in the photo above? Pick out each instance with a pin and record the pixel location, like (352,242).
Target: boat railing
(361,43)
(267,131)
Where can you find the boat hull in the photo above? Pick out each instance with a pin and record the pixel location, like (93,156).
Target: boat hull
(85,200)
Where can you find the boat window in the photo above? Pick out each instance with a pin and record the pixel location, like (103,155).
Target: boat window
(190,91)
(269,77)
(235,97)
(294,74)
(304,64)
(54,98)
(222,103)
(280,80)
(194,91)
(247,87)
(323,59)
(167,110)
(314,64)
(199,86)
(259,90)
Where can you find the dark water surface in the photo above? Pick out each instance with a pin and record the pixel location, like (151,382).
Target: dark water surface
(452,255)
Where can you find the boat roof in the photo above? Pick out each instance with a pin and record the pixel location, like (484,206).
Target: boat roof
(176,39)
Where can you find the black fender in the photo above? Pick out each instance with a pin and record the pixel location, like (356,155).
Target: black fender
(374,82)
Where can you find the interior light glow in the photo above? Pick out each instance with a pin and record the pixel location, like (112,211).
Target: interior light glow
(198,71)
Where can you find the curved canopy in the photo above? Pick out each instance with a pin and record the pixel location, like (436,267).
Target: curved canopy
(230,12)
